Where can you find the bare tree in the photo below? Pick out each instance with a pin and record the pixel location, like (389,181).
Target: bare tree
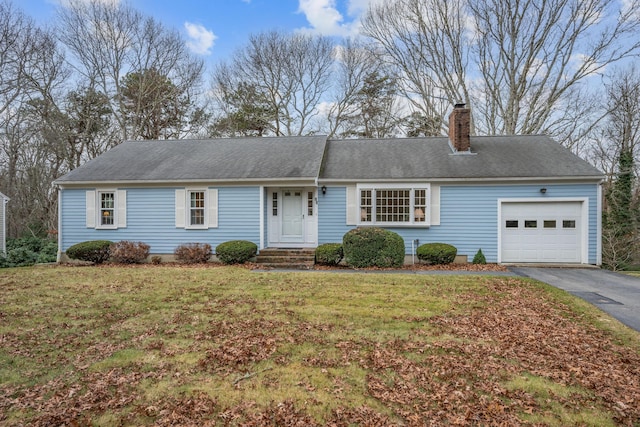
(428,42)
(352,61)
(32,70)
(515,62)
(290,71)
(111,40)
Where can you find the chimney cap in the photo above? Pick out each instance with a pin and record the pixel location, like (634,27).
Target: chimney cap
(459,105)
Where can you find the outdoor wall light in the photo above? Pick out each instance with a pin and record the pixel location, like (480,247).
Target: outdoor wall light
(324,190)
(543,190)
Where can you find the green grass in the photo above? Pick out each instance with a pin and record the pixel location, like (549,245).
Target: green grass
(149,345)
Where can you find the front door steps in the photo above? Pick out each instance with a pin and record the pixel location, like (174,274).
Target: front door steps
(298,259)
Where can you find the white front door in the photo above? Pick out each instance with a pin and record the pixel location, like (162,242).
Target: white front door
(292,216)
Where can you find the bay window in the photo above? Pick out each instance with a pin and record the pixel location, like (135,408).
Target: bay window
(387,205)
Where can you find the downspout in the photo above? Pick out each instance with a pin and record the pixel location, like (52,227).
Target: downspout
(263,207)
(599,225)
(59,255)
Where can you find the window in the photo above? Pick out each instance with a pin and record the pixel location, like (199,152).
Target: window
(274,204)
(107,208)
(530,223)
(568,223)
(511,223)
(397,205)
(310,203)
(549,223)
(196,208)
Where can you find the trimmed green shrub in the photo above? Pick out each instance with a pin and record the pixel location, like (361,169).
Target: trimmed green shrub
(373,247)
(127,252)
(193,253)
(329,254)
(236,251)
(479,258)
(437,253)
(96,251)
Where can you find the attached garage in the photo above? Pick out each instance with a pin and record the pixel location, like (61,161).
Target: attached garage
(550,231)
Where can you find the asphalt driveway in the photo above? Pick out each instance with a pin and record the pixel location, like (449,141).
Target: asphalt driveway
(613,293)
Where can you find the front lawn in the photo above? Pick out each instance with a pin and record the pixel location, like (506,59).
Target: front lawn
(226,346)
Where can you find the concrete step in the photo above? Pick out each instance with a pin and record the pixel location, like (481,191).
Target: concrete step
(283,259)
(287,258)
(288,266)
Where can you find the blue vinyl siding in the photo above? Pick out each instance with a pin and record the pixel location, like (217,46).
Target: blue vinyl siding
(332,215)
(468,216)
(151,219)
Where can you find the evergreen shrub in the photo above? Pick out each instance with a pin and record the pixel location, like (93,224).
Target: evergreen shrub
(96,251)
(236,251)
(329,254)
(373,247)
(437,253)
(479,258)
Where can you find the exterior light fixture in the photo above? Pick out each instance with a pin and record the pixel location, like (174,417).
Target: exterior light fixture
(324,190)
(543,190)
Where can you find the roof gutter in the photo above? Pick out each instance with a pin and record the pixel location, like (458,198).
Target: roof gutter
(594,178)
(173,183)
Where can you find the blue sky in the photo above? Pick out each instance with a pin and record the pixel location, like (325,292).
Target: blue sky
(214,28)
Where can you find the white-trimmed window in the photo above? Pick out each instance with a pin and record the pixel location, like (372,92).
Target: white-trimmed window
(107,213)
(393,205)
(197,208)
(106,209)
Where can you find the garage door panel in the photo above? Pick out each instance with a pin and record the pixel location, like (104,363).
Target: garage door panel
(546,232)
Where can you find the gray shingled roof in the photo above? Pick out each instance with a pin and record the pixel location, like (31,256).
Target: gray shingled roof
(212,159)
(302,158)
(493,157)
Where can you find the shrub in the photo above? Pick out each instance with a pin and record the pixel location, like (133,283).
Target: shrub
(236,251)
(373,247)
(48,251)
(193,253)
(126,252)
(96,251)
(21,257)
(437,253)
(329,253)
(156,259)
(28,251)
(479,258)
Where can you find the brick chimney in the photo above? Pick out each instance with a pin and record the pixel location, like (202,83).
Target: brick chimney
(460,128)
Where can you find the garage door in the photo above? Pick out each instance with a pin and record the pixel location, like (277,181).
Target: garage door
(541,232)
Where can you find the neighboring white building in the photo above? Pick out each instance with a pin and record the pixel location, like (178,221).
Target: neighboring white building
(3,222)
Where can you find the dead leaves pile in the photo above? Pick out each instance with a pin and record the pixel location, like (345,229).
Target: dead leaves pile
(453,370)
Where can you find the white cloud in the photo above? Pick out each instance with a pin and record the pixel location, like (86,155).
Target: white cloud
(591,67)
(325,18)
(200,40)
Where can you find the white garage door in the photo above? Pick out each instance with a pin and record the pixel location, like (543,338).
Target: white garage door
(541,232)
